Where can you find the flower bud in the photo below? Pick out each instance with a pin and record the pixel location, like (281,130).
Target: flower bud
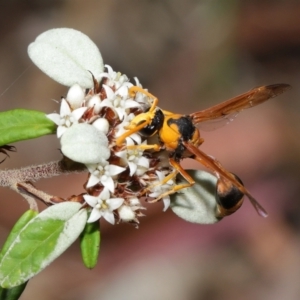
(102,125)
(126,213)
(75,96)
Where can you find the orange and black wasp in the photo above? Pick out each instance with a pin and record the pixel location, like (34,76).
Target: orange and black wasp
(179,135)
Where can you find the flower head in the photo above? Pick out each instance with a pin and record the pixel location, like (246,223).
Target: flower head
(130,211)
(137,163)
(103,206)
(119,101)
(115,79)
(103,173)
(66,118)
(160,187)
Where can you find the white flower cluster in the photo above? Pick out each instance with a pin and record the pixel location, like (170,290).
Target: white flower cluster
(88,124)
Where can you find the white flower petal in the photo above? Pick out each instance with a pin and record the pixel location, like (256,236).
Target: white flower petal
(64,108)
(91,167)
(130,104)
(129,142)
(90,200)
(78,113)
(123,91)
(110,94)
(109,217)
(134,202)
(60,131)
(67,55)
(122,154)
(106,103)
(54,118)
(114,203)
(167,202)
(140,171)
(132,167)
(93,180)
(154,194)
(108,183)
(143,162)
(109,69)
(136,137)
(121,112)
(160,175)
(95,215)
(105,194)
(114,170)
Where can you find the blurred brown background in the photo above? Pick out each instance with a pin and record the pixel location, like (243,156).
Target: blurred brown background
(191,54)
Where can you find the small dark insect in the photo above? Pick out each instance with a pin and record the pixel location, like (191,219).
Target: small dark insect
(7,148)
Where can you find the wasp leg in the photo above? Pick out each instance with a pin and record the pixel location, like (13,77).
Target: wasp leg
(154,147)
(226,177)
(132,127)
(178,169)
(129,132)
(135,89)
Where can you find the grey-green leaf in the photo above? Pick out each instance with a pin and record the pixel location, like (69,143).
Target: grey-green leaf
(90,244)
(197,204)
(41,241)
(21,124)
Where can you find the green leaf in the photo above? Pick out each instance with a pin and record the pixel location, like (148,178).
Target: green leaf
(90,244)
(21,124)
(197,204)
(13,293)
(41,241)
(25,218)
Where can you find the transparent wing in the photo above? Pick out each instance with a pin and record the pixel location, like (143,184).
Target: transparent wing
(223,113)
(213,124)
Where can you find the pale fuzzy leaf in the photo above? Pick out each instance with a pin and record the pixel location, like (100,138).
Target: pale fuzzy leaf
(67,56)
(85,144)
(197,204)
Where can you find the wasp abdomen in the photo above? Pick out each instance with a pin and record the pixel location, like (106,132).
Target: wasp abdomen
(228,197)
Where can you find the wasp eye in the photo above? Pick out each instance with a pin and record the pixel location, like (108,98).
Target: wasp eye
(154,126)
(228,196)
